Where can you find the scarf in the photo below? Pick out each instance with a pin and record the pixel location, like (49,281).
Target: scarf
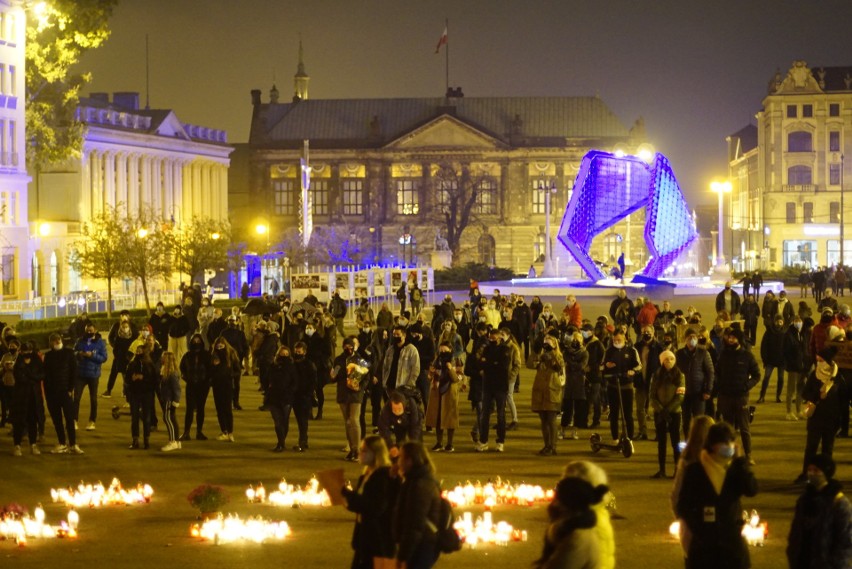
(826,371)
(714,471)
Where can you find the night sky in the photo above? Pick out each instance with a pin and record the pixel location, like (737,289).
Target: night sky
(696,71)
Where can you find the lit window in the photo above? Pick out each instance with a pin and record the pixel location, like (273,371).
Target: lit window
(447,190)
(319,196)
(486,197)
(353,197)
(407,200)
(285,197)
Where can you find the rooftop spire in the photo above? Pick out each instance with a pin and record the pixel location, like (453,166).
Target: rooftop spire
(301,79)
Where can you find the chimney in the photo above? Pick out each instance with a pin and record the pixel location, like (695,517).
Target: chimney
(255,97)
(100,97)
(126,100)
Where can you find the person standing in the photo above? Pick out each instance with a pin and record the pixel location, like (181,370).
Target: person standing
(373,500)
(699,378)
(756,283)
(337,307)
(29,375)
(572,312)
(179,327)
(170,398)
(121,336)
(279,397)
(649,350)
(710,505)
(415,295)
(351,373)
(495,367)
(620,366)
(423,342)
(547,392)
(142,381)
(60,376)
(7,388)
(750,313)
(728,301)
(824,398)
(821,532)
(402,296)
(698,430)
(402,363)
(195,371)
(318,354)
(772,355)
(795,355)
(224,367)
(667,390)
(442,411)
(306,380)
(91,354)
(737,373)
(237,340)
(160,323)
(417,508)
(575,409)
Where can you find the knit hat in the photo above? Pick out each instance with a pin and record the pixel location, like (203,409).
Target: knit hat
(828,354)
(824,463)
(690,332)
(668,354)
(576,494)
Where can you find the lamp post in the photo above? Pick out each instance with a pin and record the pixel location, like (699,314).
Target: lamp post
(263,230)
(720,188)
(548,270)
(841,212)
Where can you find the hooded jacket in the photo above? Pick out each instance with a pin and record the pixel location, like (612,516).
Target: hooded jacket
(89,367)
(195,363)
(821,532)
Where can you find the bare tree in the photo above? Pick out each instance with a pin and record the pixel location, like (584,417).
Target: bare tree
(463,198)
(101,252)
(148,244)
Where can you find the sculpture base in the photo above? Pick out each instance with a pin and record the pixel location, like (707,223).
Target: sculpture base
(441,259)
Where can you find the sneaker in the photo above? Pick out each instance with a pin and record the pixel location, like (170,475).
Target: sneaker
(659,474)
(512,426)
(499,447)
(481,447)
(134,444)
(106,395)
(438,447)
(792,417)
(200,437)
(230,437)
(172,445)
(90,426)
(299,448)
(222,437)
(800,479)
(574,435)
(560,435)
(34,449)
(75,450)
(449,448)
(59,449)
(17,451)
(345,449)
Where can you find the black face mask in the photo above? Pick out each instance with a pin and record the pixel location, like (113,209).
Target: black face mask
(445,356)
(548,348)
(196,346)
(299,357)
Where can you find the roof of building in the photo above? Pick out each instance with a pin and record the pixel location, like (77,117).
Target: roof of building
(836,78)
(375,122)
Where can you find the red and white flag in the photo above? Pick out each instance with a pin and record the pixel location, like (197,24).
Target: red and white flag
(442,41)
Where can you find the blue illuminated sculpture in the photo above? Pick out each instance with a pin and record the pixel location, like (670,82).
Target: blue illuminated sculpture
(608,188)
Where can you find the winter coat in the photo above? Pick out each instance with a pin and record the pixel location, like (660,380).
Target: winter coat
(283,382)
(495,363)
(444,389)
(794,350)
(650,362)
(596,353)
(718,543)
(222,374)
(351,366)
(625,359)
(772,347)
(28,380)
(522,322)
(396,429)
(698,370)
(750,311)
(821,532)
(306,380)
(373,499)
(384,319)
(419,500)
(666,392)
(827,413)
(89,367)
(735,302)
(576,361)
(195,367)
(573,543)
(60,372)
(234,336)
(141,377)
(179,327)
(737,372)
(547,389)
(160,326)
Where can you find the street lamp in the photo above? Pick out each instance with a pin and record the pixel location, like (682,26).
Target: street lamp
(548,270)
(720,188)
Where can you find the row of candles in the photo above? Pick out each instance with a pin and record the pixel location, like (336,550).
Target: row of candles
(754,531)
(20,527)
(290,495)
(96,495)
(497,492)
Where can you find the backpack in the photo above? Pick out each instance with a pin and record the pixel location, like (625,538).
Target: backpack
(447,538)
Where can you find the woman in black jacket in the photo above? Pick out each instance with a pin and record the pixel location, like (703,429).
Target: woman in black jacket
(142,381)
(709,503)
(306,381)
(417,508)
(224,368)
(195,371)
(26,398)
(280,393)
(372,500)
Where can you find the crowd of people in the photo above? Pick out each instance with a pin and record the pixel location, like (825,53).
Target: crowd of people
(639,366)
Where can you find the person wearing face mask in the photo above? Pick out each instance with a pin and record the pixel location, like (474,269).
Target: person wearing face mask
(160,322)
(60,375)
(710,503)
(401,364)
(575,408)
(91,354)
(545,323)
(442,411)
(821,532)
(351,374)
(195,371)
(495,363)
(319,355)
(824,395)
(620,366)
(649,350)
(666,392)
(224,368)
(178,329)
(29,375)
(728,300)
(281,394)
(121,337)
(141,384)
(522,325)
(265,354)
(699,377)
(750,313)
(596,350)
(305,373)
(237,340)
(372,499)
(7,386)
(769,309)
(547,393)
(736,374)
(422,340)
(772,356)
(795,354)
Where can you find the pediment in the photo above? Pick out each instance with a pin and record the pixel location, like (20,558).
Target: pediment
(444,132)
(172,127)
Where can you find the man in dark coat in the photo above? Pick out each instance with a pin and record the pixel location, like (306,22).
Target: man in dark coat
(495,363)
(728,300)
(772,355)
(60,375)
(160,323)
(522,325)
(750,312)
(736,374)
(195,371)
(621,365)
(237,339)
(699,376)
(400,420)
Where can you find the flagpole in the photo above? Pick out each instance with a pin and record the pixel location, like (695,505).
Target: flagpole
(447,64)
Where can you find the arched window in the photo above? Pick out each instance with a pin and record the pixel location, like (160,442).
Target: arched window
(799,141)
(486,246)
(799,175)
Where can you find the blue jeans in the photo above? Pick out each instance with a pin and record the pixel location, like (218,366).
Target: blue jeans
(80,384)
(766,377)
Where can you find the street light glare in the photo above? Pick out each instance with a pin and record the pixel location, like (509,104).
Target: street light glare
(261,229)
(215,236)
(720,187)
(44,229)
(142,233)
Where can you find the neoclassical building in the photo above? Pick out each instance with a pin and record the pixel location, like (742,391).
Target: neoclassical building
(789,173)
(132,159)
(377,163)
(15,273)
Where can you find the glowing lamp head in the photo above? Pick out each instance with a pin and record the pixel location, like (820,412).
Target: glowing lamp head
(261,229)
(44,229)
(142,233)
(215,236)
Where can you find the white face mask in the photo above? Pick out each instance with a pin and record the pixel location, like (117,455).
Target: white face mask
(798,325)
(309,331)
(403,322)
(618,345)
(693,342)
(586,334)
(57,346)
